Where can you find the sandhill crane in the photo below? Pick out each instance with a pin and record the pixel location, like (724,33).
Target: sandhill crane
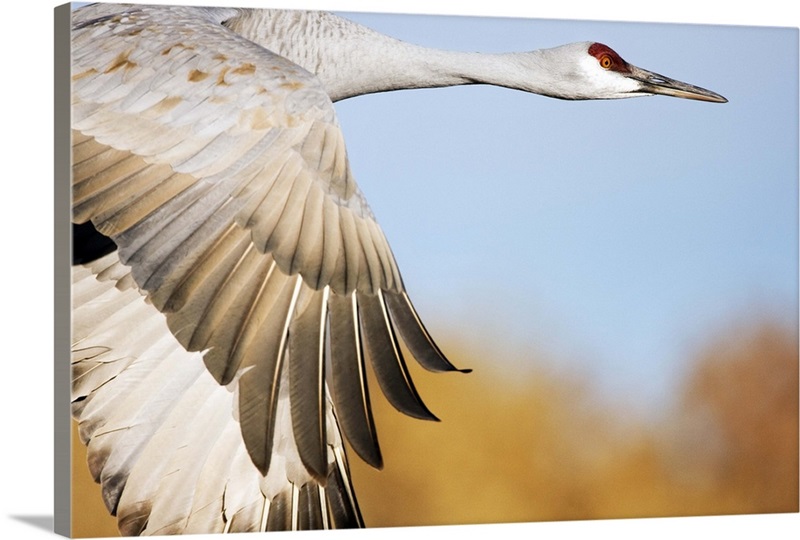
(229,278)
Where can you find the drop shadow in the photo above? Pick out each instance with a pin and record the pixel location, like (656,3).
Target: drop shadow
(43,522)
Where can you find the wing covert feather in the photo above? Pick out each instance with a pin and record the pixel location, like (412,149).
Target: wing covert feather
(230,143)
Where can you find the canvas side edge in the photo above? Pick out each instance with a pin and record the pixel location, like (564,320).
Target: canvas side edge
(62,504)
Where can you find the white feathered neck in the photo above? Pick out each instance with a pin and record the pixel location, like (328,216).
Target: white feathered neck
(353,60)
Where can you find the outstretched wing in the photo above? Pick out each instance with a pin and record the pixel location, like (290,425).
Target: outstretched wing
(219,170)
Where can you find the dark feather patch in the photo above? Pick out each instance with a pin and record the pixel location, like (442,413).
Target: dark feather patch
(387,360)
(349,380)
(309,509)
(88,244)
(306,381)
(342,505)
(280,512)
(259,387)
(414,334)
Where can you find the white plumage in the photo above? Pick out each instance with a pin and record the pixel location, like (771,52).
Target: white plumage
(219,353)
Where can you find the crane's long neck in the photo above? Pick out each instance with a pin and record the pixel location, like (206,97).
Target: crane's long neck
(352,60)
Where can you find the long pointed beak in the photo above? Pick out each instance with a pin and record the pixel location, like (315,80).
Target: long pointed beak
(653,83)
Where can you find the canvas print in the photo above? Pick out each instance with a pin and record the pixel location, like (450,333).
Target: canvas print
(341,270)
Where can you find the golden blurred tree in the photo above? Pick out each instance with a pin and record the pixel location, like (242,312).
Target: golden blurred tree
(743,401)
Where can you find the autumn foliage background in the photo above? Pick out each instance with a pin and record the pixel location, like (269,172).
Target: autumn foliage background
(548,446)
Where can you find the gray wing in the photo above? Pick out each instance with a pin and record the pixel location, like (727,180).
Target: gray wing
(220,172)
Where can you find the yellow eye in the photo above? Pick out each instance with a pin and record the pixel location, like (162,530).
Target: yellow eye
(606,61)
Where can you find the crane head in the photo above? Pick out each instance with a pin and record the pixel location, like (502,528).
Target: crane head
(589,70)
(610,73)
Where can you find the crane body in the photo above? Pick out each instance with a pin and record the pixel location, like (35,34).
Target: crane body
(221,337)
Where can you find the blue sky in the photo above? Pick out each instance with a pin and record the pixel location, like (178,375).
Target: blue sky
(615,237)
